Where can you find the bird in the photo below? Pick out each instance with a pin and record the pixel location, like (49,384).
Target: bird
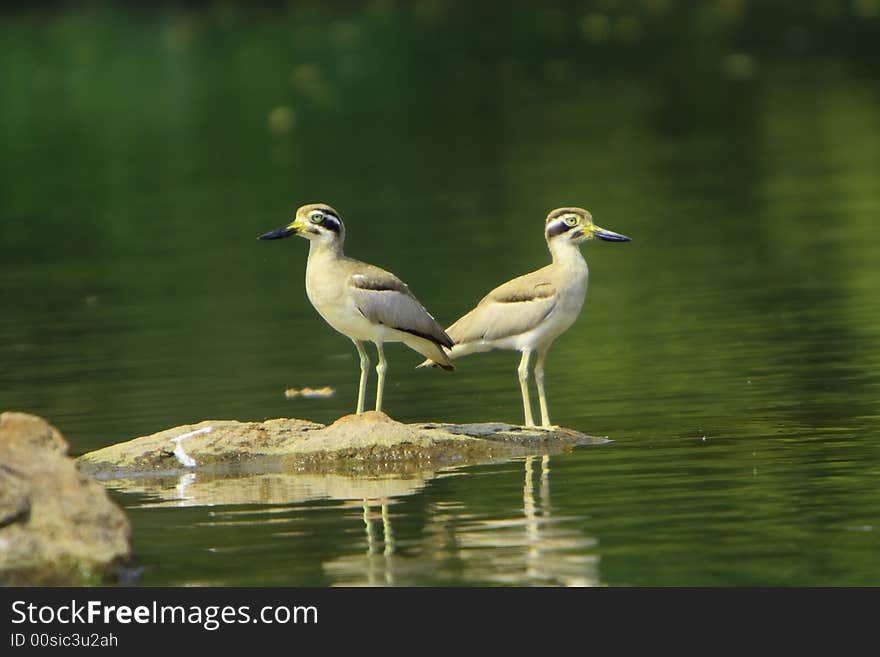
(528,313)
(359,300)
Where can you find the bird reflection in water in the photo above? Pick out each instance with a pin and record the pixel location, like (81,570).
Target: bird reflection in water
(373,563)
(461,545)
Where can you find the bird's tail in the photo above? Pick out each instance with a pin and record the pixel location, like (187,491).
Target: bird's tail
(436,355)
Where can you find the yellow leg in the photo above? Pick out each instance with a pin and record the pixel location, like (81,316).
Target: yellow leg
(365,368)
(381,368)
(523,372)
(542,396)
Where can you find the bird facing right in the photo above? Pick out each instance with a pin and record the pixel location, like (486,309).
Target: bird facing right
(528,313)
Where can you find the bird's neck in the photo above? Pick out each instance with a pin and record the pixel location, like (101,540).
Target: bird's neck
(567,254)
(320,249)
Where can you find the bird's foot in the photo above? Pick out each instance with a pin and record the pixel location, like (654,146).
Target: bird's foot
(541,427)
(549,427)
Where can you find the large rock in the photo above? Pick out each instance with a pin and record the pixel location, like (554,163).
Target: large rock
(371,443)
(57,525)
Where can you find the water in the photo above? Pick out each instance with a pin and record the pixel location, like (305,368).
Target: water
(731,351)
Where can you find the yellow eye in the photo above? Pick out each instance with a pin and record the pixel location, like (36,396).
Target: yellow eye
(571,220)
(316,218)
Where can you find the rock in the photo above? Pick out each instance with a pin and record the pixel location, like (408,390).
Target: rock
(371,443)
(58,527)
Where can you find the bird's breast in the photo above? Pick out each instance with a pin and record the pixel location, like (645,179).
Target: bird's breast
(570,301)
(329,293)
(323,288)
(574,291)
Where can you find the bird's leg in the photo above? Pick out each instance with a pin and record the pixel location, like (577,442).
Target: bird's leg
(523,372)
(381,368)
(365,368)
(542,396)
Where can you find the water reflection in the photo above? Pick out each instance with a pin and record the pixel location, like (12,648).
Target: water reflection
(379,566)
(532,547)
(276,488)
(371,535)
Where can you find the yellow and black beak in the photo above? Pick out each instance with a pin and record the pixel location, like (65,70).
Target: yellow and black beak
(285,231)
(608,235)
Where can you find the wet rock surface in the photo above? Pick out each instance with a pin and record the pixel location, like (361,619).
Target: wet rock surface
(371,443)
(57,525)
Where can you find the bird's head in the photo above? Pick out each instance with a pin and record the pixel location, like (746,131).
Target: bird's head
(576,225)
(315,221)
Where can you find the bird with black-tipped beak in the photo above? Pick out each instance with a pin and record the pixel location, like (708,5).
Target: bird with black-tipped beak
(528,313)
(360,300)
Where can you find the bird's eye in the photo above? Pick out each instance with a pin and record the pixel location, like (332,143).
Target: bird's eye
(316,218)
(571,220)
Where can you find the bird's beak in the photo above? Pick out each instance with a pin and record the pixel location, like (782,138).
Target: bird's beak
(608,235)
(285,231)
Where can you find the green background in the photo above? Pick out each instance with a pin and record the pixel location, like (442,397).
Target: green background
(731,350)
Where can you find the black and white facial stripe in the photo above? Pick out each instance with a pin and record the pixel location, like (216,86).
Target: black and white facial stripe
(563,224)
(327,219)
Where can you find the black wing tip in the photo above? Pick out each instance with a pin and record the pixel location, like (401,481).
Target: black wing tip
(437,340)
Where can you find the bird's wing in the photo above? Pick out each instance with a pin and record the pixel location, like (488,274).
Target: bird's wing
(510,309)
(383,298)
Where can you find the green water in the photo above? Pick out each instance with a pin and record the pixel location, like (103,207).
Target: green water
(731,351)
